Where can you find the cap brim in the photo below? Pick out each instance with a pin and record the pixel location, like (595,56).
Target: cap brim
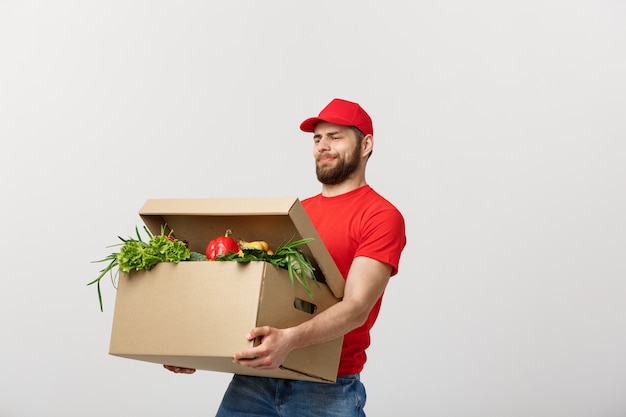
(309,124)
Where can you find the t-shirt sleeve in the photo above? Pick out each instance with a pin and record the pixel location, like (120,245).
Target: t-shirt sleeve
(384,238)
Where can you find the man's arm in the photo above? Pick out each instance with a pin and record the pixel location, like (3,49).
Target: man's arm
(366,282)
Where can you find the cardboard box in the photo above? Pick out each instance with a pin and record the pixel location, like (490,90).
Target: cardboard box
(196,314)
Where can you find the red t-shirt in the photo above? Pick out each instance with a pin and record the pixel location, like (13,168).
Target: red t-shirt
(358,223)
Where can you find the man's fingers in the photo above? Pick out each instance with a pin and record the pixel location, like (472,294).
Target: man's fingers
(179,369)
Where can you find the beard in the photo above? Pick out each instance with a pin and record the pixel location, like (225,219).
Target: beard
(345,167)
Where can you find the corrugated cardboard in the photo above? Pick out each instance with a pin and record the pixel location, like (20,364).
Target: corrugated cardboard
(196,314)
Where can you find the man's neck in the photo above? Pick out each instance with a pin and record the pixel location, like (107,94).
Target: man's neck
(343,187)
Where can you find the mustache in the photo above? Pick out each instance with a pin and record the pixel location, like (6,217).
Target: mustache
(325,155)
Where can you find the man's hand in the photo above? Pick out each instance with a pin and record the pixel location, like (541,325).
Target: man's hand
(270,353)
(179,370)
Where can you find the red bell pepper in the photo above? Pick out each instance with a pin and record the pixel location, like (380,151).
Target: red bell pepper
(221,245)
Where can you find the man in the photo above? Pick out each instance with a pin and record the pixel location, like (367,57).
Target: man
(365,235)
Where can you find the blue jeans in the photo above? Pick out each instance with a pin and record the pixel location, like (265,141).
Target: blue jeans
(272,397)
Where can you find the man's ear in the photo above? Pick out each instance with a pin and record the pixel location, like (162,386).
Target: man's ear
(367,145)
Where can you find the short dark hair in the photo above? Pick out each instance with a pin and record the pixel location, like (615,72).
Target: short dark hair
(359,138)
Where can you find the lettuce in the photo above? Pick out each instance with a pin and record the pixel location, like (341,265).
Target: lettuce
(135,254)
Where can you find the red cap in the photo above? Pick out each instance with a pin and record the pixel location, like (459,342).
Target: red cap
(344,113)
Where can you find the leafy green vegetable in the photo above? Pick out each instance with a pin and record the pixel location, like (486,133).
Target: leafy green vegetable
(196,256)
(288,256)
(136,254)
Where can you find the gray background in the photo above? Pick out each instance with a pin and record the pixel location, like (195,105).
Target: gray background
(499,134)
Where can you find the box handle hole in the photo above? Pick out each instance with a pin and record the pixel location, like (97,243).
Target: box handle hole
(305,306)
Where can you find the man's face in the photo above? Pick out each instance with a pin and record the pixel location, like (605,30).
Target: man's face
(336,151)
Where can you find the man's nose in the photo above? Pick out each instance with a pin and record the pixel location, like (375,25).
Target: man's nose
(323,144)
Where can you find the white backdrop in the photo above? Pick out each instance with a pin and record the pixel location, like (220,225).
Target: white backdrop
(500,134)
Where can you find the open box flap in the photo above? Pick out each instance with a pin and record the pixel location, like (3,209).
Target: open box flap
(274,220)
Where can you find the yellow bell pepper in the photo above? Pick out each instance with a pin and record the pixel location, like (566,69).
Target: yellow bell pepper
(257,244)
